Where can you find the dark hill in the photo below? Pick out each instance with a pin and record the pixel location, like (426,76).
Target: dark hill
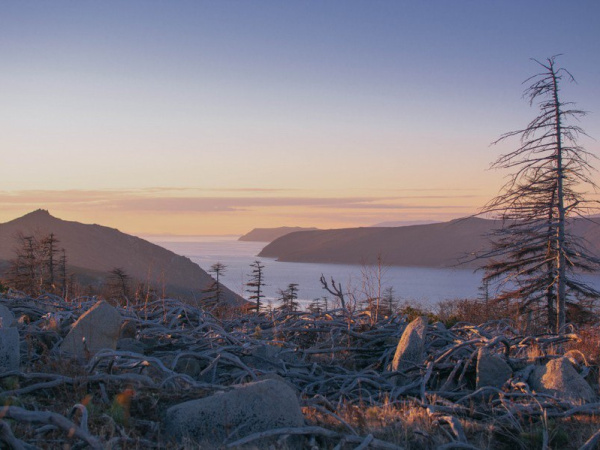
(404,223)
(270,234)
(94,250)
(433,245)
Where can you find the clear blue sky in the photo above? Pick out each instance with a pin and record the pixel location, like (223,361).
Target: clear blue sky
(392,103)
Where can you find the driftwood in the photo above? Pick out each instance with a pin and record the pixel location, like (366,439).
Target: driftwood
(331,358)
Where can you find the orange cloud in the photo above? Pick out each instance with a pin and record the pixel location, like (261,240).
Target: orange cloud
(159,210)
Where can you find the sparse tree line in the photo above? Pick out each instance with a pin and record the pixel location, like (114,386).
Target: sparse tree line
(39,266)
(371,297)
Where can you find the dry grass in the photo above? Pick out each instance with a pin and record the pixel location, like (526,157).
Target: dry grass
(451,312)
(408,424)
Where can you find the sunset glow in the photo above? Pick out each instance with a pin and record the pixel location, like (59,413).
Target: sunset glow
(193,118)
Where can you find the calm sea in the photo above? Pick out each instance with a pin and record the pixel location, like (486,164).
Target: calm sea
(416,284)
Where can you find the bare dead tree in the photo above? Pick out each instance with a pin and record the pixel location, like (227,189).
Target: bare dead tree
(389,301)
(49,250)
(335,290)
(27,270)
(119,283)
(62,267)
(372,278)
(35,267)
(535,257)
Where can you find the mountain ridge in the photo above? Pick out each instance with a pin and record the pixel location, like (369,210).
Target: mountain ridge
(270,234)
(97,249)
(443,244)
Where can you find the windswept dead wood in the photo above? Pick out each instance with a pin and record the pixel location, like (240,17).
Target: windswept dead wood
(338,363)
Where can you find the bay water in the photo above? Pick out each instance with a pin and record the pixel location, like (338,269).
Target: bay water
(420,285)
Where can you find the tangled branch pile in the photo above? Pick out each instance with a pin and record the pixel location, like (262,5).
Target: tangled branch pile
(357,387)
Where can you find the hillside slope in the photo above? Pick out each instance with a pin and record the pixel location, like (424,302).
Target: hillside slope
(270,234)
(95,250)
(433,245)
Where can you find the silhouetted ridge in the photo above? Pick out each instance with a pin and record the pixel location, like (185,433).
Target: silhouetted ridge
(270,234)
(443,244)
(97,249)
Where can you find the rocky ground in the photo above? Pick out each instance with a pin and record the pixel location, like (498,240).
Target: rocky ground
(169,375)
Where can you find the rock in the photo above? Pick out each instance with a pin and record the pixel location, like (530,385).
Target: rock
(190,366)
(194,367)
(128,330)
(96,329)
(249,408)
(412,344)
(266,352)
(439,326)
(560,379)
(7,318)
(131,345)
(268,358)
(274,353)
(10,356)
(492,369)
(275,376)
(518,364)
(272,376)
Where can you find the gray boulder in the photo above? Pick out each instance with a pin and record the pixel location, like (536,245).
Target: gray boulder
(411,347)
(7,318)
(96,329)
(560,379)
(10,357)
(492,369)
(128,330)
(268,358)
(247,409)
(131,345)
(190,366)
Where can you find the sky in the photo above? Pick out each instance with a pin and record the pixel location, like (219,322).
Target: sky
(216,117)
